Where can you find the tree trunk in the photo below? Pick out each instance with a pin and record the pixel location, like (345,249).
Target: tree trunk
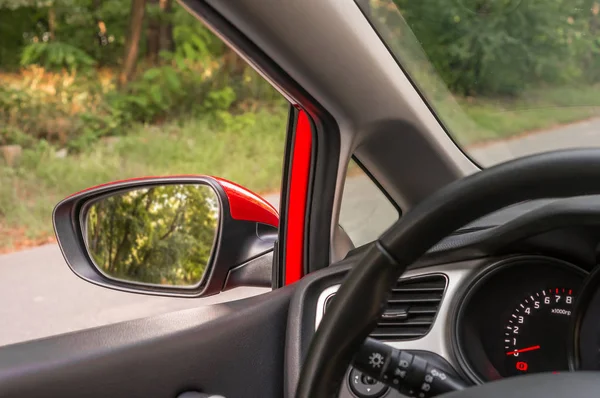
(132,43)
(153,35)
(166,27)
(51,22)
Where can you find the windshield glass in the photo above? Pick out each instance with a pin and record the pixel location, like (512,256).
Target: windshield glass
(507,78)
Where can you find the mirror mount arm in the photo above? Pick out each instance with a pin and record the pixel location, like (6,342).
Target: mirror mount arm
(254,273)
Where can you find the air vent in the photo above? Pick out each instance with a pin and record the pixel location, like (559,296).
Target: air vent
(412,307)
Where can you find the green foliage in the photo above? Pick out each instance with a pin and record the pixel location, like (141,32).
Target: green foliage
(56,55)
(17,4)
(193,41)
(219,100)
(159,92)
(12,135)
(14,25)
(168,92)
(35,109)
(94,126)
(196,77)
(502,47)
(74,112)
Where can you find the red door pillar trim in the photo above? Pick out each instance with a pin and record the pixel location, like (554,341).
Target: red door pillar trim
(296,214)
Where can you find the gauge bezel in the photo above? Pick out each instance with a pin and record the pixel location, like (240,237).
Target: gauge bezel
(589,291)
(473,286)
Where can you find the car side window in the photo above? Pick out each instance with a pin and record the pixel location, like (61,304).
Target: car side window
(91,93)
(366,212)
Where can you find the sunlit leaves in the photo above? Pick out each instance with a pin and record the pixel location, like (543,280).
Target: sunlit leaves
(55,55)
(161,235)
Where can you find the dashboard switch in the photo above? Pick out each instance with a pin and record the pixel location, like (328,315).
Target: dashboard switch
(415,374)
(373,358)
(364,386)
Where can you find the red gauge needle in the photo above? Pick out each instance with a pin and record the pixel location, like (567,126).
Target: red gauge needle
(532,348)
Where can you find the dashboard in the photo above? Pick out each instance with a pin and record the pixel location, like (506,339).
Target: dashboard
(507,307)
(498,318)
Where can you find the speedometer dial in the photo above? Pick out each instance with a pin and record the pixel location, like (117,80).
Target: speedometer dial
(534,335)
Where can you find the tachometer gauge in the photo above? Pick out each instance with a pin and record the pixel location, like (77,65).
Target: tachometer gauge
(516,316)
(534,335)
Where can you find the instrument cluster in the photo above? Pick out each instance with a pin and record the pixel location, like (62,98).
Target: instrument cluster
(515,318)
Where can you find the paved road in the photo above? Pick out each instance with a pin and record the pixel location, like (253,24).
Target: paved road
(40,296)
(583,134)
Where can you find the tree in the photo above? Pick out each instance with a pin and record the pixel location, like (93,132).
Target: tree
(132,43)
(153,31)
(167,42)
(51,21)
(160,29)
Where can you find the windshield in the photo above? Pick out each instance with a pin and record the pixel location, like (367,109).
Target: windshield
(507,78)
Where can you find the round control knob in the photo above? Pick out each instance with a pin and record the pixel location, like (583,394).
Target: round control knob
(364,386)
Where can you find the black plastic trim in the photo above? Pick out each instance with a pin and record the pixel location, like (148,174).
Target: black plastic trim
(551,217)
(279,277)
(326,154)
(256,272)
(542,385)
(586,327)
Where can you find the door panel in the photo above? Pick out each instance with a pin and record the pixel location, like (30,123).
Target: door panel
(232,349)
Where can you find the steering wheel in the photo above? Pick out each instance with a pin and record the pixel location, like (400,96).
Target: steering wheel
(360,300)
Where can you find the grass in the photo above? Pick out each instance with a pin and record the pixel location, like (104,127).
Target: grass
(486,120)
(247,149)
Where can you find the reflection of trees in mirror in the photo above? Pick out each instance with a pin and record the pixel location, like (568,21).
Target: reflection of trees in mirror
(161,235)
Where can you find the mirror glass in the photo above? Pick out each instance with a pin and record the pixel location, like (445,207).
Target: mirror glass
(160,235)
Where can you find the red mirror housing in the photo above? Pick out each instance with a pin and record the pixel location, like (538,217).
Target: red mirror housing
(243,250)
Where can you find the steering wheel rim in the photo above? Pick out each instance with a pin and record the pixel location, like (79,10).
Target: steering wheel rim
(361,298)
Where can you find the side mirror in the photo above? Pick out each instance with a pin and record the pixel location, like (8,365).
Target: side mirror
(174,236)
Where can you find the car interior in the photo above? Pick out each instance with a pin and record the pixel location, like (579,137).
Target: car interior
(487,285)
